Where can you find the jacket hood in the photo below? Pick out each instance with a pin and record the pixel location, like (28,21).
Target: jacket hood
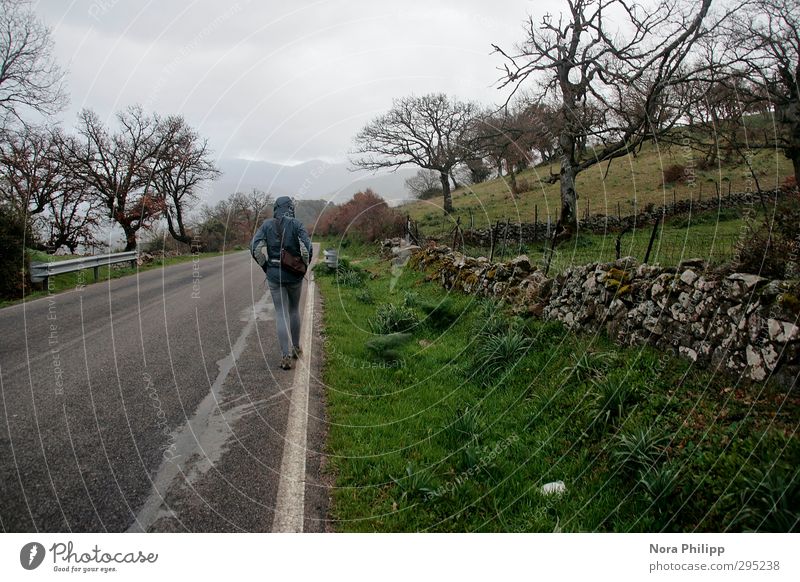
(283,207)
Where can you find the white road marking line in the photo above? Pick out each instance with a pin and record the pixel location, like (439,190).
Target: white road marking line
(290,501)
(193,436)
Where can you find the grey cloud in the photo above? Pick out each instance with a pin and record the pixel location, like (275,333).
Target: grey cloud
(278,81)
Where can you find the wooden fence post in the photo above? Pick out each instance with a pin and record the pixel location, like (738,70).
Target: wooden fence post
(505,238)
(652,238)
(456,231)
(492,239)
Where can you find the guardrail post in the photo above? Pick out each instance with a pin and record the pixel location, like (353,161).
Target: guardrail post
(96,273)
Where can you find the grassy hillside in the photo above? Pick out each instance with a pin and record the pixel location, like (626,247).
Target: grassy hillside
(632,183)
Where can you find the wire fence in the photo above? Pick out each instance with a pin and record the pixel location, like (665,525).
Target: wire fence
(668,248)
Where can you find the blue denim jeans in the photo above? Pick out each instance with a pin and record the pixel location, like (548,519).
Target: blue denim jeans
(286,299)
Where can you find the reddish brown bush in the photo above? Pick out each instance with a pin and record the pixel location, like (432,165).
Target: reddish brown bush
(366,217)
(674,173)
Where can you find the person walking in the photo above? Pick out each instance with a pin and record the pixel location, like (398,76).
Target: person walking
(282,248)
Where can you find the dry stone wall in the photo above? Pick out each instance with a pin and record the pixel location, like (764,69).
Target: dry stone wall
(737,322)
(600,223)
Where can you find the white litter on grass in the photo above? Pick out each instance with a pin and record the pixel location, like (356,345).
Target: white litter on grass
(556,487)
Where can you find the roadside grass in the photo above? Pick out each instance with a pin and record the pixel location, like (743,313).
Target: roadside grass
(68,281)
(422,438)
(632,183)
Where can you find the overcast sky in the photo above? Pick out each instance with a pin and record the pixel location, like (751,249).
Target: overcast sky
(286,81)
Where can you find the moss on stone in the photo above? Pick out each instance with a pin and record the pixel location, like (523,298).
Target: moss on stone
(618,274)
(790,301)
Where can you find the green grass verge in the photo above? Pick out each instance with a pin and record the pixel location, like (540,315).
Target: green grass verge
(67,281)
(441,428)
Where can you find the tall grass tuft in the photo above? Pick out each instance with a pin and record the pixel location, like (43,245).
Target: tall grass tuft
(393,318)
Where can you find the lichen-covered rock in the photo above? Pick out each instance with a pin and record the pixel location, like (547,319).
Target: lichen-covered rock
(743,323)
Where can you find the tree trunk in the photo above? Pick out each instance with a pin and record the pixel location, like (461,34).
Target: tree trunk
(130,238)
(453,178)
(569,200)
(513,175)
(794,155)
(448,201)
(567,222)
(180,234)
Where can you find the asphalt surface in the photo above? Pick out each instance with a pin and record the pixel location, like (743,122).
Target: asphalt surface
(151,403)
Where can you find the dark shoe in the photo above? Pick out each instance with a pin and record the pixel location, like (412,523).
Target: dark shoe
(286,363)
(297,351)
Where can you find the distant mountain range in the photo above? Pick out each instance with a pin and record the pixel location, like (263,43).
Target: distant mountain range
(312,180)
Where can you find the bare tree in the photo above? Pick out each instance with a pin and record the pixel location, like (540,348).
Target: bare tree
(542,121)
(73,218)
(424,184)
(476,171)
(430,131)
(250,209)
(183,163)
(119,169)
(29,75)
(626,73)
(504,137)
(33,171)
(765,35)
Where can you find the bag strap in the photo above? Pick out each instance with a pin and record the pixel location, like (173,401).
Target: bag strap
(282,225)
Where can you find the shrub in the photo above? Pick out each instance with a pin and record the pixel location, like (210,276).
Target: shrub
(771,501)
(522,186)
(410,298)
(674,173)
(659,486)
(349,278)
(588,366)
(496,355)
(466,428)
(366,216)
(391,318)
(13,258)
(479,171)
(765,249)
(365,296)
(638,450)
(611,400)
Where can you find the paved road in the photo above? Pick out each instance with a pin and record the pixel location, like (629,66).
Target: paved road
(152,402)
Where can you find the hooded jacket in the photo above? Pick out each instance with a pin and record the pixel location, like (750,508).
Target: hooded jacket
(268,237)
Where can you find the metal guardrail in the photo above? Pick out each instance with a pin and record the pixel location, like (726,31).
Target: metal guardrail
(43,271)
